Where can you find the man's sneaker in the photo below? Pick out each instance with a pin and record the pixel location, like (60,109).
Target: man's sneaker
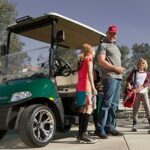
(115,132)
(78,138)
(134,128)
(86,139)
(95,132)
(101,135)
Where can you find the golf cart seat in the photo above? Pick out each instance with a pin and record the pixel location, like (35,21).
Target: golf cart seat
(67,85)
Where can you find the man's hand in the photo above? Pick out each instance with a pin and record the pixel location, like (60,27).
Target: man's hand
(119,70)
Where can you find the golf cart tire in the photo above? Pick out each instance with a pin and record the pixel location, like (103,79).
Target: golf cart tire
(37,126)
(2,133)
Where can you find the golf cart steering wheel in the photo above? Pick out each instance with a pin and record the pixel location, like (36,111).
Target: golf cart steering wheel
(63,68)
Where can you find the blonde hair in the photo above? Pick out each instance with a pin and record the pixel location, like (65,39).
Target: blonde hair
(143,61)
(86,50)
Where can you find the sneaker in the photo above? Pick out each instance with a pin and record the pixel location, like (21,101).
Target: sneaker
(148,132)
(101,135)
(134,128)
(86,139)
(78,138)
(115,133)
(95,132)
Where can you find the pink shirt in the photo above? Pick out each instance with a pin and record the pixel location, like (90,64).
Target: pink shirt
(83,78)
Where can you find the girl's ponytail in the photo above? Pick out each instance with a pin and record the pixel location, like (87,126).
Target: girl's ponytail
(81,58)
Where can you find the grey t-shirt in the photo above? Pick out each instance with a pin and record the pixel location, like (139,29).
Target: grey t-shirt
(113,56)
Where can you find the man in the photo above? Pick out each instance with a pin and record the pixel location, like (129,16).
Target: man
(109,58)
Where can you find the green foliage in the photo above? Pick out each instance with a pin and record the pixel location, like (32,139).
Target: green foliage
(141,51)
(7,16)
(125,60)
(125,57)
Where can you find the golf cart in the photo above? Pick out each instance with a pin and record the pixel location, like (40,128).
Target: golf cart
(37,89)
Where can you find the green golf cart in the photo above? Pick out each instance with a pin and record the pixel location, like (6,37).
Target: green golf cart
(37,86)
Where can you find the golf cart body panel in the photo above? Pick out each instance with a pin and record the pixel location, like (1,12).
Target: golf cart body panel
(43,88)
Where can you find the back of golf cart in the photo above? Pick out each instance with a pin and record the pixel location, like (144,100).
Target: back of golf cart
(37,89)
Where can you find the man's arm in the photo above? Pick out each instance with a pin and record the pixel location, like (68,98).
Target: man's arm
(105,64)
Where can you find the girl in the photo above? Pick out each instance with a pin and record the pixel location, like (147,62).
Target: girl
(141,88)
(85,89)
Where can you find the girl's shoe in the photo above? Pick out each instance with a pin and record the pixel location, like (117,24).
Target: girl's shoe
(86,139)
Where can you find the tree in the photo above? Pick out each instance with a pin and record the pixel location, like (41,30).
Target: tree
(140,51)
(7,16)
(125,56)
(125,60)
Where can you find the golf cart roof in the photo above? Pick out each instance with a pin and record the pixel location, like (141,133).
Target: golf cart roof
(39,28)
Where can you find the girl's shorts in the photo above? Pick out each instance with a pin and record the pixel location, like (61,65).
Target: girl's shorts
(83,98)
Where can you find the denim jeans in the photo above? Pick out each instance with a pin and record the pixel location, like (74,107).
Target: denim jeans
(107,114)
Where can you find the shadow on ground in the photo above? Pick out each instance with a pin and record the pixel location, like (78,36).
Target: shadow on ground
(12,141)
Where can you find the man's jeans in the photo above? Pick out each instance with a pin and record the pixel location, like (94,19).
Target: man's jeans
(107,115)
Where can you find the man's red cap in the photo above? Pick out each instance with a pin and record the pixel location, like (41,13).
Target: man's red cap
(113,28)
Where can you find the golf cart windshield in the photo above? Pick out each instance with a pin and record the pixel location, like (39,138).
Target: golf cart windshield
(27,63)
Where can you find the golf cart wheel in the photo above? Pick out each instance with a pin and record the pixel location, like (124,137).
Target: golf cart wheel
(2,133)
(65,128)
(37,126)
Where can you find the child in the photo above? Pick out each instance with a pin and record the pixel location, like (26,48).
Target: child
(85,89)
(141,88)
